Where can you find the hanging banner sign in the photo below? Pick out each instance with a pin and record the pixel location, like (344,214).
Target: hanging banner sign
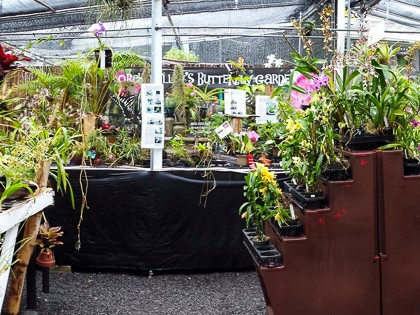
(265,109)
(235,102)
(152,127)
(213,77)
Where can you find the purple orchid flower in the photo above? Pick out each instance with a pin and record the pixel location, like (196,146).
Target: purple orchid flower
(253,136)
(415,123)
(97,29)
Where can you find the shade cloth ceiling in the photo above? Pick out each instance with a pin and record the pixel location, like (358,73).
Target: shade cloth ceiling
(23,21)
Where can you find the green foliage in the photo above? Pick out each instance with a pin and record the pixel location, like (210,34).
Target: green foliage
(179,151)
(264,200)
(181,55)
(308,146)
(114,10)
(126,59)
(29,144)
(8,189)
(128,148)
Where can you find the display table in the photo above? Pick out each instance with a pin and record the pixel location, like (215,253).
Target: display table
(138,219)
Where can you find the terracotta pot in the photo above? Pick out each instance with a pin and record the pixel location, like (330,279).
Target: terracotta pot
(242,159)
(45,258)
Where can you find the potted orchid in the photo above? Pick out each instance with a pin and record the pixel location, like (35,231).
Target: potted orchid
(264,200)
(243,145)
(309,145)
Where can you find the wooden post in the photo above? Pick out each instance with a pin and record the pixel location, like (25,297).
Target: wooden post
(237,124)
(269,89)
(31,231)
(237,121)
(89,124)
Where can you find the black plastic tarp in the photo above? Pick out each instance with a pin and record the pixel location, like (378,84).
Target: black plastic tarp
(138,219)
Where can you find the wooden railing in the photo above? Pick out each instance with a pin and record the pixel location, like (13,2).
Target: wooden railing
(9,224)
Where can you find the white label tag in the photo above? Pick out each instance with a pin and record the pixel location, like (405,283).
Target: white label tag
(292,212)
(223,130)
(386,122)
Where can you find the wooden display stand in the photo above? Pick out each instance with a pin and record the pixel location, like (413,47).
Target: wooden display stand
(333,268)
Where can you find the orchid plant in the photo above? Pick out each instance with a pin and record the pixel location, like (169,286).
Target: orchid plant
(264,200)
(244,143)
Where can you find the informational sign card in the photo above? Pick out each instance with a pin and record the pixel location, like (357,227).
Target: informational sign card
(223,130)
(235,102)
(265,109)
(152,127)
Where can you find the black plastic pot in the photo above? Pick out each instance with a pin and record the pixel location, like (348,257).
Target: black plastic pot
(292,228)
(336,172)
(411,167)
(265,255)
(304,200)
(364,142)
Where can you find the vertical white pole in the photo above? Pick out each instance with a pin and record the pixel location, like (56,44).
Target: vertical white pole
(348,38)
(341,35)
(156,154)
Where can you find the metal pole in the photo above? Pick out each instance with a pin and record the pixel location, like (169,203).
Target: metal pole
(348,46)
(156,154)
(341,36)
(341,8)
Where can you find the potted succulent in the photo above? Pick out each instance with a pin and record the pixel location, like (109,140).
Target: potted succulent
(47,239)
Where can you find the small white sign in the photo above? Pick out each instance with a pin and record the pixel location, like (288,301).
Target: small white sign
(152,128)
(235,102)
(265,109)
(223,130)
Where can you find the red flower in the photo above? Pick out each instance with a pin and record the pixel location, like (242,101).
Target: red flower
(6,60)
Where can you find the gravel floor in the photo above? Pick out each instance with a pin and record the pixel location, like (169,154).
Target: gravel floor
(218,293)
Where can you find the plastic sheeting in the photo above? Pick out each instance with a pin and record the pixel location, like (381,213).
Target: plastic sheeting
(146,220)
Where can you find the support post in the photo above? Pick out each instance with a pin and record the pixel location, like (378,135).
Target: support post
(341,35)
(31,284)
(156,154)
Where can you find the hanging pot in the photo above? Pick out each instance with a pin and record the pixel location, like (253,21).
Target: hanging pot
(45,258)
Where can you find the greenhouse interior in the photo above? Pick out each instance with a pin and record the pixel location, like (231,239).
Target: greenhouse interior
(124,125)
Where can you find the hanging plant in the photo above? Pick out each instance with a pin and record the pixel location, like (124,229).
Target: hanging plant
(114,10)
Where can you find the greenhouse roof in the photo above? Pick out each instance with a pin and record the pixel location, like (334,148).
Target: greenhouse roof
(64,22)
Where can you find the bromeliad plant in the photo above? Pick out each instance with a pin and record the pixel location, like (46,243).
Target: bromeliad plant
(48,236)
(265,200)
